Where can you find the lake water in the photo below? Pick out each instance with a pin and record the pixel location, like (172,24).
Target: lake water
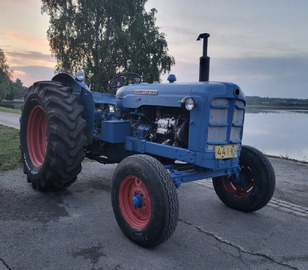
(278,132)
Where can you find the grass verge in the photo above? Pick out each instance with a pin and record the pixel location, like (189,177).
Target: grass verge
(9,149)
(9,110)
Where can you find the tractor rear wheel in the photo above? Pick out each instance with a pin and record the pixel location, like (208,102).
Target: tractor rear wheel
(144,200)
(52,137)
(255,186)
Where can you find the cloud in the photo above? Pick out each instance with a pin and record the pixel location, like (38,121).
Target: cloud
(19,37)
(30,58)
(31,55)
(19,73)
(265,76)
(30,74)
(248,45)
(261,76)
(18,3)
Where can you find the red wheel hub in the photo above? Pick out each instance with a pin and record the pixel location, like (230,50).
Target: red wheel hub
(243,187)
(135,202)
(36,136)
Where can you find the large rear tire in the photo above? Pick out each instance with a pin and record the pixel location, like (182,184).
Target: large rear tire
(255,186)
(52,136)
(144,200)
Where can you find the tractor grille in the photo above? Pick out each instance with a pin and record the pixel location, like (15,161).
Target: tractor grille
(226,122)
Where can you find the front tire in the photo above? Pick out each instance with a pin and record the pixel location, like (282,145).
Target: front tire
(144,200)
(52,136)
(255,186)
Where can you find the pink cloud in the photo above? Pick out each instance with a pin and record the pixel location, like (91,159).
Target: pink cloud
(30,74)
(19,37)
(30,58)
(17,3)
(31,55)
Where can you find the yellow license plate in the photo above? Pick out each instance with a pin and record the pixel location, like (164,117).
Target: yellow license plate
(225,151)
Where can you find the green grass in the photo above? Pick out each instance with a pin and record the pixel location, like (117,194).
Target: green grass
(9,149)
(9,110)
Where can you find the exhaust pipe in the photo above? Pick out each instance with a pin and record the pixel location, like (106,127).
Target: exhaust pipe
(204,68)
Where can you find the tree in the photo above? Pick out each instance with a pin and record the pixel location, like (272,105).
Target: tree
(5,73)
(19,90)
(105,37)
(9,90)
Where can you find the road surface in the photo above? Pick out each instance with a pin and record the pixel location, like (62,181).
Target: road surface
(9,119)
(76,229)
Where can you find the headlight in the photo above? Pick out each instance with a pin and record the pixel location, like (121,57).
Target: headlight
(80,76)
(188,102)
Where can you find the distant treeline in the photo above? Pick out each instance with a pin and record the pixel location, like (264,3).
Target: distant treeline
(276,102)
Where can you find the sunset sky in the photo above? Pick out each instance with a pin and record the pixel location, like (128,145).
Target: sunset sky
(262,45)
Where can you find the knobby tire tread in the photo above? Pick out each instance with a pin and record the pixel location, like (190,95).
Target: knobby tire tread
(66,137)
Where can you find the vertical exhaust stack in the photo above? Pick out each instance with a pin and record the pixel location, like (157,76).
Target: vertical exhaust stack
(204,69)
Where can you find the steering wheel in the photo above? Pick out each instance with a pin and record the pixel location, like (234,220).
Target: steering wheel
(122,79)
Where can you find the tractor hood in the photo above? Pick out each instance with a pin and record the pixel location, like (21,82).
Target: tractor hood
(171,94)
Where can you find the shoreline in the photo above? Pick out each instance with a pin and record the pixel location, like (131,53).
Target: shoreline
(290,107)
(286,158)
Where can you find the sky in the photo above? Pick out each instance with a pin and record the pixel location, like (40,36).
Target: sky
(261,45)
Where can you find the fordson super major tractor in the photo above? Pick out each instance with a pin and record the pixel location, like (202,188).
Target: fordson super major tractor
(162,135)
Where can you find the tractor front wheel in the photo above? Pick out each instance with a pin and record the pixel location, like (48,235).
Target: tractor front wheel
(144,200)
(255,186)
(52,136)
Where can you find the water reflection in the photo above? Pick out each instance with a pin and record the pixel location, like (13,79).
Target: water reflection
(278,132)
(258,110)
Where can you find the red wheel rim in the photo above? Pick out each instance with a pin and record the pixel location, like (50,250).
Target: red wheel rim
(36,136)
(244,187)
(139,217)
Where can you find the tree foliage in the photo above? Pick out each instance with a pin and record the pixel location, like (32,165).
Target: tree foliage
(105,37)
(9,90)
(5,73)
(19,90)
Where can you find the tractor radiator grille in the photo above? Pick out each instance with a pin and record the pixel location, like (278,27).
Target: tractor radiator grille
(226,122)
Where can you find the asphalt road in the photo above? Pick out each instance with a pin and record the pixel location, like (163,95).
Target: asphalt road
(76,228)
(9,119)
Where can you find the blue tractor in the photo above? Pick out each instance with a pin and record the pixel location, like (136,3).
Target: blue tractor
(162,135)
